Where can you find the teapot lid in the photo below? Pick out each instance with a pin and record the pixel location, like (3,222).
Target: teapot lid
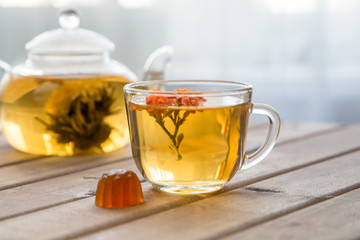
(69,40)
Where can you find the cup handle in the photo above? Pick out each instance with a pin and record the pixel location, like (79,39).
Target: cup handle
(273,133)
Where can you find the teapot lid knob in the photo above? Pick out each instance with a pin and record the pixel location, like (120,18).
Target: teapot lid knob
(69,18)
(70,39)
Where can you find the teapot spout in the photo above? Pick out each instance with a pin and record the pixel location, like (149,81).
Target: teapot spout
(157,62)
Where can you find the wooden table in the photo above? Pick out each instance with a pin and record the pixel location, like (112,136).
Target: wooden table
(307,188)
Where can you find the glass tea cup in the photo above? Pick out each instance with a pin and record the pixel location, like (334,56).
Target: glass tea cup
(188,137)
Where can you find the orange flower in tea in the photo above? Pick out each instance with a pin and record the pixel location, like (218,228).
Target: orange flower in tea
(161,101)
(188,101)
(161,111)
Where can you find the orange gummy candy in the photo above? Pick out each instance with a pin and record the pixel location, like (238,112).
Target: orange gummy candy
(119,188)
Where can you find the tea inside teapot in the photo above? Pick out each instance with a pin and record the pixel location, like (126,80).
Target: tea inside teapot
(67,97)
(65,117)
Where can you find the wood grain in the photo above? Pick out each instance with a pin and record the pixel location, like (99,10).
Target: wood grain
(17,170)
(243,208)
(50,167)
(256,136)
(288,132)
(9,156)
(65,220)
(80,217)
(73,186)
(2,139)
(297,154)
(65,205)
(55,191)
(337,218)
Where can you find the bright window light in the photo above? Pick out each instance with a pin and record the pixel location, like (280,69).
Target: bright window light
(53,3)
(290,6)
(78,3)
(23,3)
(135,3)
(343,6)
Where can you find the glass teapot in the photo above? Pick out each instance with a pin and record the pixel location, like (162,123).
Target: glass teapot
(67,97)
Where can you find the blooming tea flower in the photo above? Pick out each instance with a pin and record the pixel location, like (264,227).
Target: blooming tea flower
(164,108)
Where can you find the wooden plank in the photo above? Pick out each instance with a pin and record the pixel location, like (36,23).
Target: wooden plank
(307,129)
(316,180)
(253,124)
(243,208)
(44,194)
(10,156)
(337,218)
(12,175)
(256,123)
(9,172)
(287,157)
(81,216)
(2,139)
(32,164)
(288,132)
(256,136)
(198,220)
(49,167)
(73,186)
(63,219)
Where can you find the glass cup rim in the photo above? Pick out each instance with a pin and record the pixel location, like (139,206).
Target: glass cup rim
(241,88)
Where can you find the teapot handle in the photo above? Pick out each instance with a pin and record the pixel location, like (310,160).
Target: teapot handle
(157,62)
(6,67)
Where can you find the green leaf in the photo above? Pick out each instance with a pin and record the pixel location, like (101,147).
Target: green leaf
(186,114)
(179,139)
(167,113)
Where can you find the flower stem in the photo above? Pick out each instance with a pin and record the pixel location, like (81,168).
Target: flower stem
(175,137)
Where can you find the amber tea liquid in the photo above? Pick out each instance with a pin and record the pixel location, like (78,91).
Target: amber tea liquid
(52,116)
(212,148)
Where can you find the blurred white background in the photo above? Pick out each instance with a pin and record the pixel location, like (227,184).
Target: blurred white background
(302,57)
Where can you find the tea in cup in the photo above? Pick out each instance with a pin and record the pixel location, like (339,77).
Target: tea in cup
(188,137)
